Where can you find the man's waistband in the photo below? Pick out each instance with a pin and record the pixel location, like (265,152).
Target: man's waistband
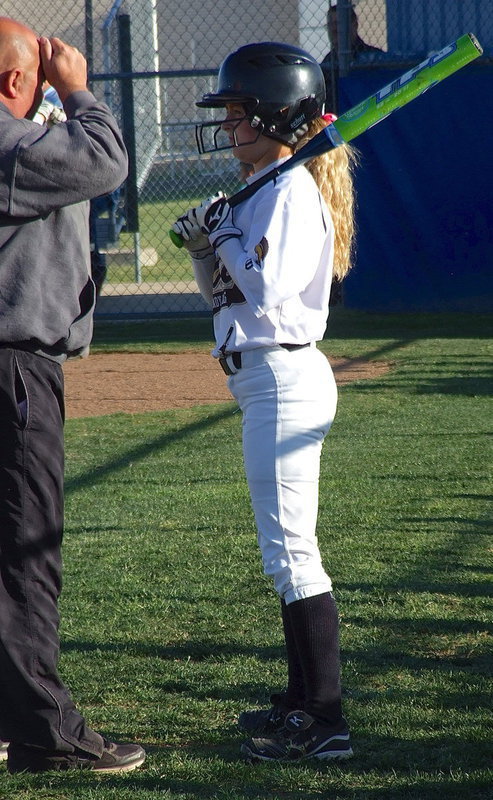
(36,349)
(233,362)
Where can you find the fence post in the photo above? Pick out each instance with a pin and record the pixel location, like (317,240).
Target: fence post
(128,130)
(89,36)
(343,36)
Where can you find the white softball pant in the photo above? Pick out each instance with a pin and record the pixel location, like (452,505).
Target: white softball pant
(288,400)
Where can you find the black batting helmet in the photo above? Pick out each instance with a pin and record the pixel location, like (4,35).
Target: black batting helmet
(280,85)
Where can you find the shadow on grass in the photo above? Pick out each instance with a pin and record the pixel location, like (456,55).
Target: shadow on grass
(347,324)
(394,650)
(435,587)
(193,329)
(462,374)
(343,324)
(476,382)
(222,776)
(143,451)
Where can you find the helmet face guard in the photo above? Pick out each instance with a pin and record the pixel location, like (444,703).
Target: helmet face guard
(211,137)
(281,87)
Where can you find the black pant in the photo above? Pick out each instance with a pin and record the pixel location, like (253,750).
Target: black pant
(35,706)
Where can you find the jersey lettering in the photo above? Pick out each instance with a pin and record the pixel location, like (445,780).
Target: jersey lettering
(225,292)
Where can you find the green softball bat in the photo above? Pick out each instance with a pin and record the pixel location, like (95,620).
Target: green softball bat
(407,87)
(370,111)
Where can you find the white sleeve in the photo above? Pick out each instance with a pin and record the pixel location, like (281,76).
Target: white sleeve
(203,270)
(277,257)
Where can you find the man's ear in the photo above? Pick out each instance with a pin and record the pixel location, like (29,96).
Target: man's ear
(12,81)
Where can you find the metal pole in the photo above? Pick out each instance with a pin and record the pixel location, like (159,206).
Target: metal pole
(344,36)
(128,129)
(89,34)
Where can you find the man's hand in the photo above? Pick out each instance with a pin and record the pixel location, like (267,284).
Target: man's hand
(63,66)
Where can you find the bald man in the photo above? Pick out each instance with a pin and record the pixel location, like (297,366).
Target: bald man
(47,177)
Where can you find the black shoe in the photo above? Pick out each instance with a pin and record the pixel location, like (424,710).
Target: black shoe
(267,720)
(301,737)
(4,746)
(115,758)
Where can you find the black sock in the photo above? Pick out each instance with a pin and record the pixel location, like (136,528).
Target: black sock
(315,626)
(295,692)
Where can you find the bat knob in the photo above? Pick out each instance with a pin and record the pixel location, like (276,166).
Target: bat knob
(176,238)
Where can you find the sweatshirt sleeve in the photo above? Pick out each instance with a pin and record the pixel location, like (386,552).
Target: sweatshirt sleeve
(73,161)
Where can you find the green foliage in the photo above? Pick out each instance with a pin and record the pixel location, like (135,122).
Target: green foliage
(169,629)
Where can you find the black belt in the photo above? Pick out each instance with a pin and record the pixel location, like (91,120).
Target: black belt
(235,357)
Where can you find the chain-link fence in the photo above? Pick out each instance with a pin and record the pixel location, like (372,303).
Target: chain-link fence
(151,60)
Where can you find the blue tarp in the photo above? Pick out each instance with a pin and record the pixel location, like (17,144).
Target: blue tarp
(425,204)
(418,27)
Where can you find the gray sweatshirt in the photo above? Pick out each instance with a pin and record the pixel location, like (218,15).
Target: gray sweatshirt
(47,175)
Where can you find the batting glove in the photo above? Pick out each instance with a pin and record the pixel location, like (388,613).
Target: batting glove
(216,220)
(194,239)
(49,114)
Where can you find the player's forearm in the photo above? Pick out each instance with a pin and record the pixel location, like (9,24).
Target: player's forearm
(203,271)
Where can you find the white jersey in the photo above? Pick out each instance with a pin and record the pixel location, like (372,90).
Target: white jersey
(272,285)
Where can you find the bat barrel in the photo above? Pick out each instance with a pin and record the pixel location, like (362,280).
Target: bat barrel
(408,86)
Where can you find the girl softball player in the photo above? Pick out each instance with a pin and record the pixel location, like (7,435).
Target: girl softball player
(266,268)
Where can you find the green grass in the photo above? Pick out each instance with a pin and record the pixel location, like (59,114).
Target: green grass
(169,629)
(157,213)
(156,217)
(155,220)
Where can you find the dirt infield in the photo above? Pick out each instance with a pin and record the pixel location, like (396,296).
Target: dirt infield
(134,383)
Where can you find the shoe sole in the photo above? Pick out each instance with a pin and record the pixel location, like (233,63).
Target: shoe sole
(327,755)
(124,768)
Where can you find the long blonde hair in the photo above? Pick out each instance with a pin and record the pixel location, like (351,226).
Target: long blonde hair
(333,174)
